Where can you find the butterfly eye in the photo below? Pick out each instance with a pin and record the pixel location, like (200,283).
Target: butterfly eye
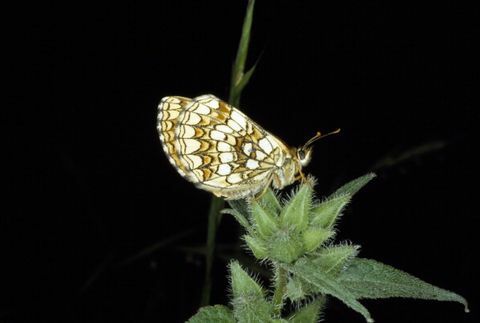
(301,154)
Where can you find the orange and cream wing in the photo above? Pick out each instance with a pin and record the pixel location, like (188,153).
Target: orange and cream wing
(217,147)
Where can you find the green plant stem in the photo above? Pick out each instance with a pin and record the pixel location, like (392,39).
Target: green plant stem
(279,293)
(214,216)
(238,81)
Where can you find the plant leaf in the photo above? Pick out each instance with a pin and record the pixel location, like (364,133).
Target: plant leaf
(327,212)
(249,303)
(326,284)
(241,206)
(314,237)
(270,201)
(265,223)
(213,314)
(257,246)
(244,79)
(366,278)
(297,211)
(354,186)
(332,260)
(238,216)
(309,313)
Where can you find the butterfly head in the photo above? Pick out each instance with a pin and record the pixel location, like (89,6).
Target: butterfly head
(304,153)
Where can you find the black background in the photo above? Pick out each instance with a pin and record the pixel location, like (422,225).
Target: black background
(90,186)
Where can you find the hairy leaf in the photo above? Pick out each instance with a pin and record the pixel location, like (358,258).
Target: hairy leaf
(297,211)
(314,237)
(332,260)
(265,222)
(326,284)
(238,216)
(354,186)
(366,278)
(241,206)
(213,314)
(327,212)
(309,313)
(249,303)
(257,246)
(270,201)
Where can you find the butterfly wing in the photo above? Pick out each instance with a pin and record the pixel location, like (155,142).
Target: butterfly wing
(221,150)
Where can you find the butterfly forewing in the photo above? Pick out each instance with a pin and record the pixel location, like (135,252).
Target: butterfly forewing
(217,147)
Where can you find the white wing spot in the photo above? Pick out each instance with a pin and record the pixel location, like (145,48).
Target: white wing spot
(217,135)
(188,132)
(213,104)
(197,161)
(173,114)
(191,145)
(224,169)
(260,155)
(223,146)
(226,157)
(224,128)
(247,148)
(234,178)
(252,164)
(232,124)
(193,119)
(242,122)
(202,109)
(265,145)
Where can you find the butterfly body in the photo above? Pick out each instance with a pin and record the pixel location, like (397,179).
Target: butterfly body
(221,150)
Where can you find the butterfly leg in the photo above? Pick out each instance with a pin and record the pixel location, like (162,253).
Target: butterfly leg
(263,191)
(301,176)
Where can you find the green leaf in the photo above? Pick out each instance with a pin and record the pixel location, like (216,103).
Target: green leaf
(245,79)
(285,247)
(241,206)
(265,223)
(296,290)
(332,260)
(326,213)
(326,284)
(257,246)
(314,237)
(309,313)
(238,216)
(249,303)
(213,314)
(270,202)
(366,278)
(354,186)
(297,211)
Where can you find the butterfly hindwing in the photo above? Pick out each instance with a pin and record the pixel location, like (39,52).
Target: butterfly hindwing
(217,147)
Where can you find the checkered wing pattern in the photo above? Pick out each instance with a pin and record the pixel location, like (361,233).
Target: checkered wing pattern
(217,147)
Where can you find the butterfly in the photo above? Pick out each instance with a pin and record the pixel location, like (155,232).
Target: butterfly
(221,150)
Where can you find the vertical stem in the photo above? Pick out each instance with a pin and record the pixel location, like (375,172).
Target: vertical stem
(217,204)
(238,68)
(280,287)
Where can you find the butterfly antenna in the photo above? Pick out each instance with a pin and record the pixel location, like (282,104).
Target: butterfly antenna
(319,136)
